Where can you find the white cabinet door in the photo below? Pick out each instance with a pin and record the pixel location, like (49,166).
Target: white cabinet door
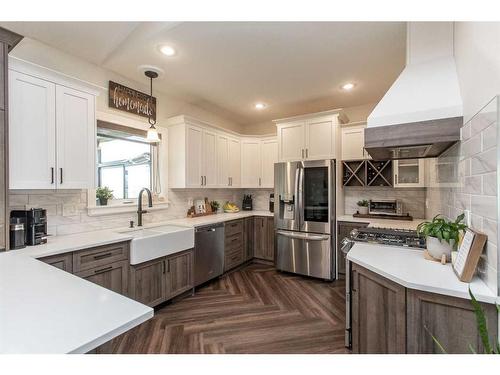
(319,140)
(250,164)
(353,143)
(194,138)
(223,161)
(209,159)
(291,141)
(75,141)
(409,173)
(32,132)
(269,157)
(235,162)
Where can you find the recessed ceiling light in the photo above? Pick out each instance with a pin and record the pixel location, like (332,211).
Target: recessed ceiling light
(167,50)
(348,86)
(260,106)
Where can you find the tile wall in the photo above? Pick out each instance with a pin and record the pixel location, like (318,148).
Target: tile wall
(470,183)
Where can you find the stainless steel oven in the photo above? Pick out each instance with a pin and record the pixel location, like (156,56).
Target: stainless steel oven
(304,216)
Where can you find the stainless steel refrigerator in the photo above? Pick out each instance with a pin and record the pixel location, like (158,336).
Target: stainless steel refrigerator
(304,218)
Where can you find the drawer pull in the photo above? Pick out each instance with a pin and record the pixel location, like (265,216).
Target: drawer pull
(103,269)
(235,239)
(102,256)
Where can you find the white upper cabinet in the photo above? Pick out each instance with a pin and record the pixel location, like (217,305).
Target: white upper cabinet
(251,164)
(193,155)
(228,161)
(52,133)
(32,132)
(291,141)
(311,137)
(269,150)
(209,159)
(353,142)
(75,128)
(409,173)
(234,162)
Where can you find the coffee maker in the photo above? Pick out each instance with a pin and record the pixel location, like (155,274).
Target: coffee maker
(35,224)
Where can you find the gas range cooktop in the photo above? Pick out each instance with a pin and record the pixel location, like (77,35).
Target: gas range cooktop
(389,236)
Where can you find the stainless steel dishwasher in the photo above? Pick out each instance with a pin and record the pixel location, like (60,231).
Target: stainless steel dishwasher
(208,253)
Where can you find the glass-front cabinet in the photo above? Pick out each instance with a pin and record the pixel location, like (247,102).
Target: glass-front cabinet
(409,173)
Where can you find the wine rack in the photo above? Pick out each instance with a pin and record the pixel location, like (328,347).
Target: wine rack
(367,173)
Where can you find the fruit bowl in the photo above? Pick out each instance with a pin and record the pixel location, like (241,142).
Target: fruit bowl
(231,211)
(230,208)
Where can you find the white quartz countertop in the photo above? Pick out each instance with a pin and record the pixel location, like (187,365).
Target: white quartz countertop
(410,269)
(217,218)
(46,310)
(383,223)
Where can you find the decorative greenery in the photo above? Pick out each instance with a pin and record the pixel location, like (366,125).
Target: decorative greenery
(104,193)
(363,203)
(443,229)
(215,206)
(482,327)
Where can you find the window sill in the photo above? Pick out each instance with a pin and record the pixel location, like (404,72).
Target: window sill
(119,209)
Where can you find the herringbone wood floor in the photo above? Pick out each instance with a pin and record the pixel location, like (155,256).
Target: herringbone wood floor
(252,310)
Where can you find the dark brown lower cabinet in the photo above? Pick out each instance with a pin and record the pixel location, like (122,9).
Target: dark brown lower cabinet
(378,314)
(344,229)
(148,282)
(248,237)
(450,320)
(113,276)
(179,273)
(389,318)
(264,238)
(61,261)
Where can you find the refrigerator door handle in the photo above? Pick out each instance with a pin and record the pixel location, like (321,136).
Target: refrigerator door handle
(296,199)
(301,198)
(302,236)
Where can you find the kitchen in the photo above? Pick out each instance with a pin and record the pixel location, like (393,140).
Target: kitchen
(143,216)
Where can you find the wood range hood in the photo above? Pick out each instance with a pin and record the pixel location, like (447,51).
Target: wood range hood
(421,114)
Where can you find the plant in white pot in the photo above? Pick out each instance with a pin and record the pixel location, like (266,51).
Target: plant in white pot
(363,207)
(442,235)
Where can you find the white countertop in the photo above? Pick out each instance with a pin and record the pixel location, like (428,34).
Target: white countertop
(46,310)
(218,218)
(383,223)
(410,269)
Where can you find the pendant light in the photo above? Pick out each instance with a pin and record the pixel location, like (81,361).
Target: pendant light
(152,135)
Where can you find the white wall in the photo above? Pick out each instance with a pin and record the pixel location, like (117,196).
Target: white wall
(477,56)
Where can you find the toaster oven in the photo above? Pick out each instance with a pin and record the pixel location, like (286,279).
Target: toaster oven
(391,207)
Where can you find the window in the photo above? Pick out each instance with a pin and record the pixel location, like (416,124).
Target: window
(124,160)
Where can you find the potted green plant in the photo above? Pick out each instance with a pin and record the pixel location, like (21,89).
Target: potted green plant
(442,235)
(363,207)
(215,206)
(103,194)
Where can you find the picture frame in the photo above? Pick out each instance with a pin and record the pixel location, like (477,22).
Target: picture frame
(468,254)
(199,206)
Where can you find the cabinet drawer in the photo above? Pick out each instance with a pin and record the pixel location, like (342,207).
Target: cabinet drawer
(233,227)
(233,258)
(112,276)
(98,256)
(61,261)
(233,242)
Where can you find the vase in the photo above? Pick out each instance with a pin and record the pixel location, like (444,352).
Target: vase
(363,210)
(437,248)
(103,201)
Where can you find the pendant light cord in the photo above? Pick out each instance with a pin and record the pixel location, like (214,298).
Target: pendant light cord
(150,119)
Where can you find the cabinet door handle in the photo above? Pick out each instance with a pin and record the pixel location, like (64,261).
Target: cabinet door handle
(307,153)
(60,175)
(168,265)
(260,181)
(163,267)
(302,153)
(231,181)
(201,181)
(103,269)
(52,175)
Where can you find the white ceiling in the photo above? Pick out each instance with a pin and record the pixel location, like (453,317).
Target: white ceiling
(293,67)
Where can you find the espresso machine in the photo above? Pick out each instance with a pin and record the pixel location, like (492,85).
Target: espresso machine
(35,225)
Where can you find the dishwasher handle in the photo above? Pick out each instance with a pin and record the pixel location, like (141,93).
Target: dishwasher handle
(208,228)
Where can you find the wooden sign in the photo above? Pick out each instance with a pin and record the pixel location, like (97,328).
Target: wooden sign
(468,254)
(132,101)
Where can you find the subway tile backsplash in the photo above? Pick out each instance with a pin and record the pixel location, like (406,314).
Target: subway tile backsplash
(475,187)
